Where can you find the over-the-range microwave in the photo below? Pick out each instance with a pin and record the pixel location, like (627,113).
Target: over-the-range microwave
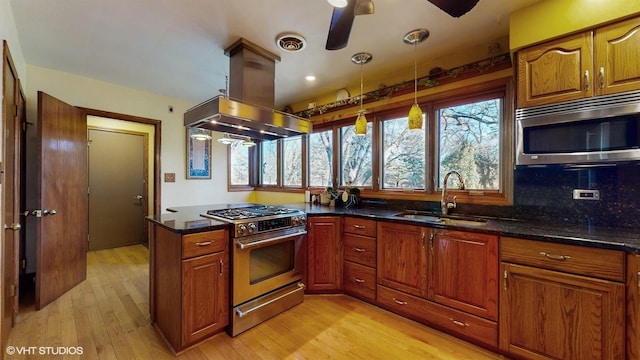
(604,129)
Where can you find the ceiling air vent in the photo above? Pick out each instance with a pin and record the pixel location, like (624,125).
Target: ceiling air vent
(291,42)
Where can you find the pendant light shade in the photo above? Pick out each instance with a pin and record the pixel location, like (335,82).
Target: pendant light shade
(361,121)
(338,3)
(225,139)
(201,135)
(364,7)
(414,37)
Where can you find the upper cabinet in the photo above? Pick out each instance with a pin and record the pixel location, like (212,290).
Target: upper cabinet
(598,62)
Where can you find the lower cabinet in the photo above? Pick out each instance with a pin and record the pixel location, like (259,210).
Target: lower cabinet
(549,311)
(189,279)
(360,258)
(324,254)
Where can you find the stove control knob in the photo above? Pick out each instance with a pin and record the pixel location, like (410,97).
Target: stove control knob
(296,221)
(252,228)
(301,220)
(242,229)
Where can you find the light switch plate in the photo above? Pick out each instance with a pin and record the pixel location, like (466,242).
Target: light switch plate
(169,177)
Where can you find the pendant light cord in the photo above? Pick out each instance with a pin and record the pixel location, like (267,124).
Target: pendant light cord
(415,72)
(361,87)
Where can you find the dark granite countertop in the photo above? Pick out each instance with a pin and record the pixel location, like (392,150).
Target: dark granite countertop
(188,220)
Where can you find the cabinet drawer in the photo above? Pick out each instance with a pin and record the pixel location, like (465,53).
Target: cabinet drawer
(452,321)
(204,243)
(360,281)
(581,260)
(360,249)
(359,226)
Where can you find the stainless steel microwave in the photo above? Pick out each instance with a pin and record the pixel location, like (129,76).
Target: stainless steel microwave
(604,129)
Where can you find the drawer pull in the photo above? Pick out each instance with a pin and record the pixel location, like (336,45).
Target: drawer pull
(204,243)
(399,302)
(555,257)
(359,281)
(357,249)
(459,323)
(359,227)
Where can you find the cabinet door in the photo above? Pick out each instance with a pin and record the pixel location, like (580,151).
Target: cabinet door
(464,272)
(617,63)
(324,254)
(633,307)
(556,71)
(402,257)
(205,305)
(548,314)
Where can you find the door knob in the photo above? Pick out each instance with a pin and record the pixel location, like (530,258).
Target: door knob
(14,226)
(138,197)
(49,212)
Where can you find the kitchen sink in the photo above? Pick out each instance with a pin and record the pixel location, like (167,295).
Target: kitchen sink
(441,219)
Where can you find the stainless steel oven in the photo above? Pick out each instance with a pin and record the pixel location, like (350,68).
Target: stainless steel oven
(267,244)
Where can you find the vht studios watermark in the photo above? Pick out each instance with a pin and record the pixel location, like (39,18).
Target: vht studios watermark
(44,350)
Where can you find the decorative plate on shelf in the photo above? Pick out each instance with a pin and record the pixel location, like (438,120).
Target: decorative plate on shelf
(342,94)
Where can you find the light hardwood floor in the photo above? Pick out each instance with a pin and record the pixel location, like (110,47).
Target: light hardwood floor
(108,316)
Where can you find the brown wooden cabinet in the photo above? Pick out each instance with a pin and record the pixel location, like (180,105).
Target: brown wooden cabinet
(598,62)
(402,257)
(189,284)
(324,254)
(549,311)
(464,272)
(359,236)
(633,307)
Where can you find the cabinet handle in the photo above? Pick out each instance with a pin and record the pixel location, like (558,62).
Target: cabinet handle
(221,267)
(586,80)
(504,279)
(399,302)
(422,238)
(555,257)
(359,227)
(357,249)
(431,241)
(601,77)
(204,243)
(459,323)
(359,281)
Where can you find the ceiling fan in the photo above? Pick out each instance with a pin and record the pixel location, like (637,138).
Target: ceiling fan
(342,17)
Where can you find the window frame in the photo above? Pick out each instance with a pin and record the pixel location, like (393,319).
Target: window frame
(251,165)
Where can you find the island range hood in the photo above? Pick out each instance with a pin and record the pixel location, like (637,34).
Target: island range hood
(248,109)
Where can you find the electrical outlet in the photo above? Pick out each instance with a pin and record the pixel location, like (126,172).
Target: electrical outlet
(169,177)
(582,194)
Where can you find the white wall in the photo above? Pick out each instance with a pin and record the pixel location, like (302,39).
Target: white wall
(85,92)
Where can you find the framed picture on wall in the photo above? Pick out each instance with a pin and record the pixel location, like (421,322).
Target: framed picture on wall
(198,153)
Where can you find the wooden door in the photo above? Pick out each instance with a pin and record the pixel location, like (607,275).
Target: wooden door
(556,71)
(13,116)
(464,272)
(402,257)
(617,62)
(117,196)
(62,229)
(325,254)
(552,315)
(205,296)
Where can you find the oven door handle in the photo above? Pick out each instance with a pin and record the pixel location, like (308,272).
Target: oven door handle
(242,314)
(274,240)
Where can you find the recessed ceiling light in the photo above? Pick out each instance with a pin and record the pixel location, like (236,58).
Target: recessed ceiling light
(310,78)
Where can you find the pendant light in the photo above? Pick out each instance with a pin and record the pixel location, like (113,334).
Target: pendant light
(415,37)
(338,3)
(201,135)
(361,121)
(225,139)
(364,7)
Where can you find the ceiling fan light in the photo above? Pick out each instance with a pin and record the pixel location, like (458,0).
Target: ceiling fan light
(415,117)
(201,135)
(361,124)
(338,3)
(225,139)
(364,7)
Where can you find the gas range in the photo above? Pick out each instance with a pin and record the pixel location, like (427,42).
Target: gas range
(259,219)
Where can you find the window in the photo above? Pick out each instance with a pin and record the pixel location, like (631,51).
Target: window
(238,164)
(292,154)
(355,157)
(269,162)
(469,142)
(321,159)
(403,160)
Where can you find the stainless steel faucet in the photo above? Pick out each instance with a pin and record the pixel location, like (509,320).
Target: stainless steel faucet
(445,205)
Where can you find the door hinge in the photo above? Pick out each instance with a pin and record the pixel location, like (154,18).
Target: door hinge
(639,279)
(23,263)
(505,276)
(221,267)
(431,241)
(12,290)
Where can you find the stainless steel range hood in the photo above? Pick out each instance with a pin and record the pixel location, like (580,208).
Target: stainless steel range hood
(248,111)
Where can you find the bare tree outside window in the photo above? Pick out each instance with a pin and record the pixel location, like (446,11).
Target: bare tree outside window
(403,155)
(469,142)
(239,163)
(356,157)
(321,159)
(269,162)
(292,153)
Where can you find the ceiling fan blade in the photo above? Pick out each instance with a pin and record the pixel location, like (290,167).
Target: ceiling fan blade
(340,28)
(455,8)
